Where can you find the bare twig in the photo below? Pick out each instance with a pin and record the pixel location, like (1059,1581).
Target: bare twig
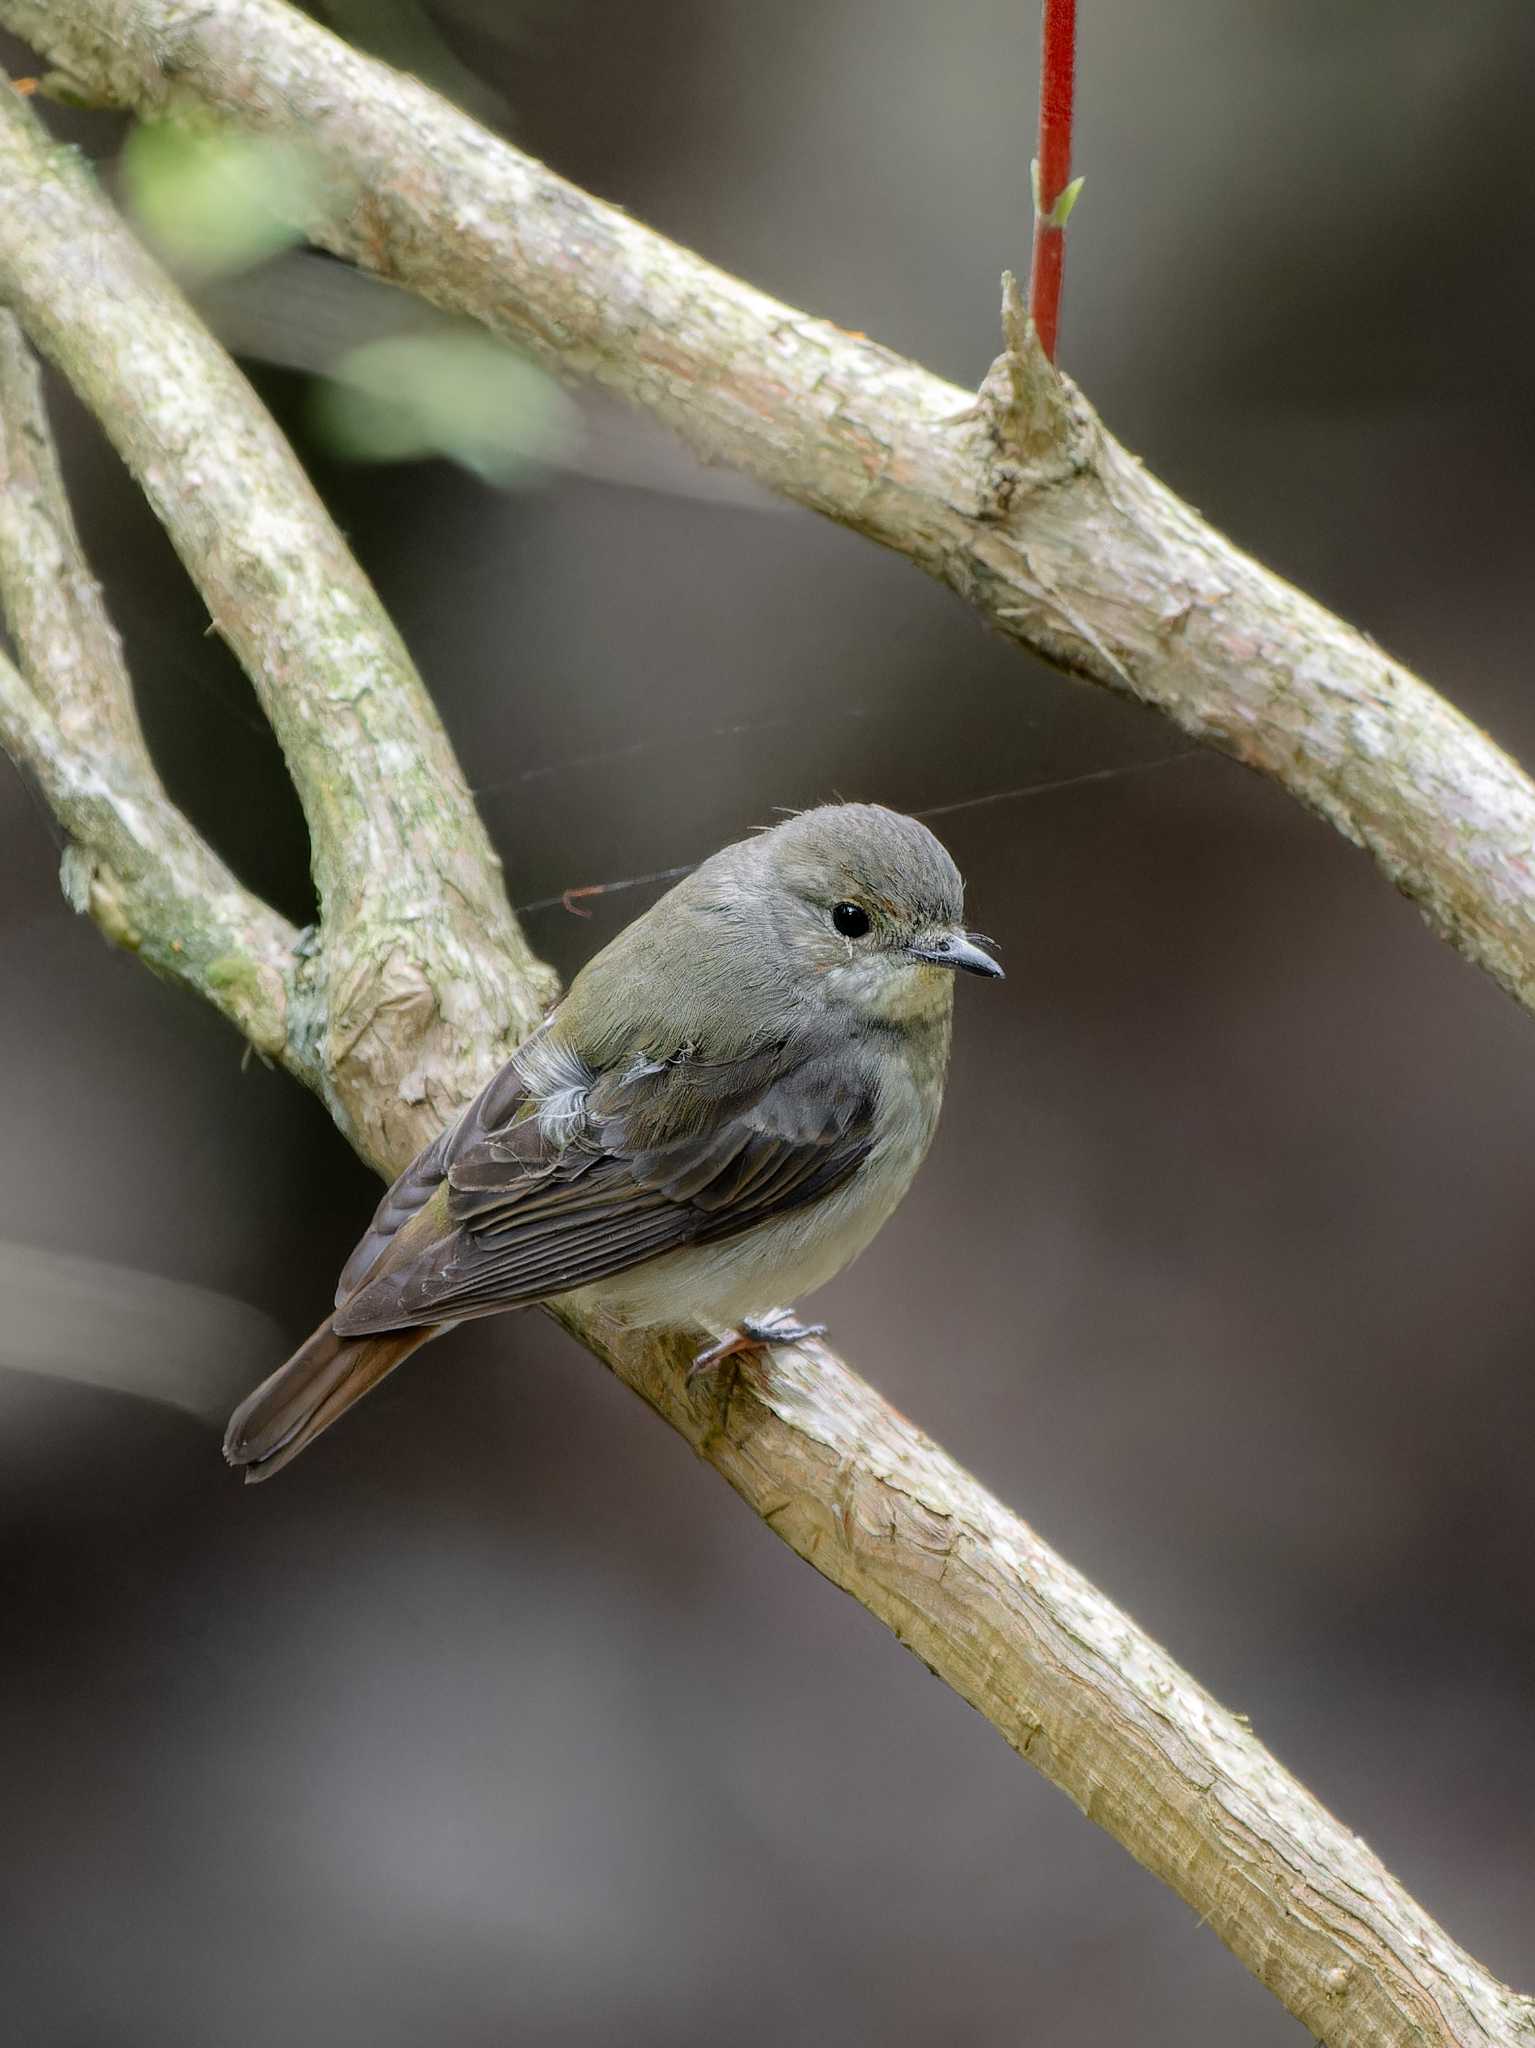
(1020,501)
(1027,507)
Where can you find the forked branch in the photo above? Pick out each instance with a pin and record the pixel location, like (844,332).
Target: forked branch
(397,1005)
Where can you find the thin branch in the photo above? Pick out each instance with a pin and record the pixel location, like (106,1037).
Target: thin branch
(54,608)
(1019,500)
(1054,191)
(135,863)
(1026,506)
(140,870)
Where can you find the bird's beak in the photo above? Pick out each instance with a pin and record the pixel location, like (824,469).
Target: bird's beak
(959,950)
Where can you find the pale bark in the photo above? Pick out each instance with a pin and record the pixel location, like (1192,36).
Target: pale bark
(1027,507)
(404,993)
(133,861)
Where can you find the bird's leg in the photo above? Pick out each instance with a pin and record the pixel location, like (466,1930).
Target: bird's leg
(777,1326)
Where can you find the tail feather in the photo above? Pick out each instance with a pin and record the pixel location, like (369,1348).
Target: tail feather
(319,1383)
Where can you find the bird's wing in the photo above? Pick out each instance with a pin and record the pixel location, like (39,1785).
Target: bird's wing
(405,1199)
(511,1206)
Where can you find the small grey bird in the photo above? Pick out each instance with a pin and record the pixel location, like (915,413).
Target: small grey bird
(724,1109)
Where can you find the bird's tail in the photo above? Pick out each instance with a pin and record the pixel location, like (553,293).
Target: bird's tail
(319,1382)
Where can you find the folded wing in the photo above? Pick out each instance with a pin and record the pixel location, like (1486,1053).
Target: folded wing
(523,1199)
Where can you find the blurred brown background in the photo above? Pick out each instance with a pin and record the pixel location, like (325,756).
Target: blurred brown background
(498,1720)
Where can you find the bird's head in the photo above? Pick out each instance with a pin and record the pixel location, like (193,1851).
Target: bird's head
(868,904)
(849,908)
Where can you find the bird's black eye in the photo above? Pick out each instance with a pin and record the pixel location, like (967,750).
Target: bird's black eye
(851,919)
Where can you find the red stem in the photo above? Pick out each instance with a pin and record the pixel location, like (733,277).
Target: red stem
(1057,78)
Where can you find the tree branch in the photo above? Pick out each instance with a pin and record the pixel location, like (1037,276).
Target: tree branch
(135,863)
(1026,506)
(407,989)
(54,608)
(1021,501)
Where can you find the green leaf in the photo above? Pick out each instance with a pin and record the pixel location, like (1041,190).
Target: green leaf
(1060,213)
(212,201)
(457,394)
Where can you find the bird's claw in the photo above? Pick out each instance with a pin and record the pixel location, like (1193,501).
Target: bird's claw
(754,1334)
(781,1327)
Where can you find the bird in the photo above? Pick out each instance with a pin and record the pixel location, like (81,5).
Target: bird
(730,1100)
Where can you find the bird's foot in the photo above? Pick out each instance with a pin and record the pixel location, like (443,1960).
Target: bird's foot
(778,1326)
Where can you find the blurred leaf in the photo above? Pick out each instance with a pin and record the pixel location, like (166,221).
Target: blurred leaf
(455,394)
(213,201)
(306,311)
